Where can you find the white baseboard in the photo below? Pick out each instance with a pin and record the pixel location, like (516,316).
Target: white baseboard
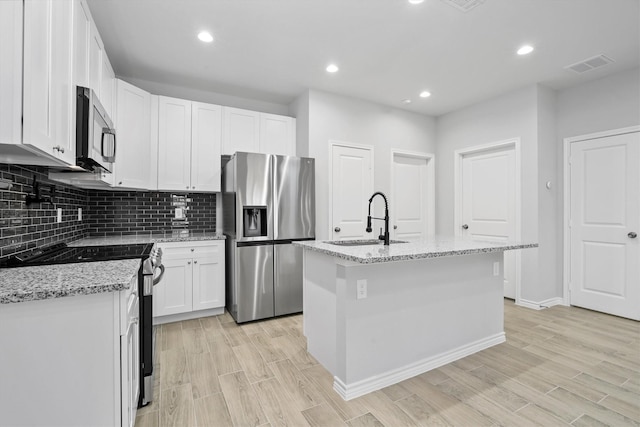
(540,305)
(187,316)
(368,385)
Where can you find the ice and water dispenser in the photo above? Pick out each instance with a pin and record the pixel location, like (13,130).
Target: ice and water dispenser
(254,219)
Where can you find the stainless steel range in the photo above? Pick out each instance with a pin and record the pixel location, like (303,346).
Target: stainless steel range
(151,259)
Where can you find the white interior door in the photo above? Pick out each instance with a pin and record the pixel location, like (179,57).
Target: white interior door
(604,222)
(489,203)
(412,196)
(351,187)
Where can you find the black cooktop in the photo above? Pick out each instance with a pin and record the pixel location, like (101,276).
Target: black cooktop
(60,253)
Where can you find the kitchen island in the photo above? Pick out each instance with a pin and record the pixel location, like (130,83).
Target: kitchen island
(375,315)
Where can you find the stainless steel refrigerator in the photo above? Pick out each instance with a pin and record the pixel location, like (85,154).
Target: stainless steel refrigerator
(268,201)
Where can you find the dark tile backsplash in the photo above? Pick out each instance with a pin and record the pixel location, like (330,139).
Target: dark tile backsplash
(134,212)
(25,227)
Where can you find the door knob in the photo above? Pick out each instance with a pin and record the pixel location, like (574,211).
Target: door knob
(632,235)
(465,227)
(337,229)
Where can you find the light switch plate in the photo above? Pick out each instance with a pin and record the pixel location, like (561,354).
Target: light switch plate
(79,214)
(59,219)
(496,268)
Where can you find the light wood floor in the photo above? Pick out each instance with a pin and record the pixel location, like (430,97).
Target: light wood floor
(559,366)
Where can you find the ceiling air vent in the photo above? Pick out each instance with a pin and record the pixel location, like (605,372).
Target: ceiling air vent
(464,5)
(589,64)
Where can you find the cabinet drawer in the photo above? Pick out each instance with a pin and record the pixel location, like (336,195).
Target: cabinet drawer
(181,250)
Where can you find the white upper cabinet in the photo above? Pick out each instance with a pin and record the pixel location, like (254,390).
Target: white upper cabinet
(174,144)
(241,131)
(206,125)
(81,38)
(137,145)
(277,134)
(251,131)
(108,88)
(10,72)
(188,145)
(47,78)
(96,50)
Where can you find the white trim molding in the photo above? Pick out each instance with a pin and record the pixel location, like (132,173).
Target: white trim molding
(566,216)
(431,184)
(368,385)
(541,305)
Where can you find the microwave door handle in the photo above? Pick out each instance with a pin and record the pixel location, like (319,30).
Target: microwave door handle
(113,139)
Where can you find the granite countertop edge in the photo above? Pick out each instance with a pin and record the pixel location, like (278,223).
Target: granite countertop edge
(417,254)
(146,238)
(45,282)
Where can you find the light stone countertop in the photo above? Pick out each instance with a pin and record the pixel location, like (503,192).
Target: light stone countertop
(22,284)
(433,247)
(148,238)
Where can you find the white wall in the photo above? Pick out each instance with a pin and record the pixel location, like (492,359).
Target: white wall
(335,117)
(549,261)
(176,91)
(299,109)
(513,115)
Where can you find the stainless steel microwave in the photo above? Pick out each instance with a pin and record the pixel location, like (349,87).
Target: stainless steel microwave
(95,135)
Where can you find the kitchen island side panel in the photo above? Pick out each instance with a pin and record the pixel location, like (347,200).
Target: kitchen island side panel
(417,315)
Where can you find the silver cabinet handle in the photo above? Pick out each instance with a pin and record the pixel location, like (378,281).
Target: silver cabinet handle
(195,262)
(192,249)
(189,262)
(187,187)
(632,235)
(337,229)
(59,148)
(395,227)
(465,227)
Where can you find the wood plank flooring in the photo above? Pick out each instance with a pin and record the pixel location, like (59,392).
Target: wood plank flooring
(559,366)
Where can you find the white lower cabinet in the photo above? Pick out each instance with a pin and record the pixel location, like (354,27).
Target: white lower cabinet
(193,280)
(71,361)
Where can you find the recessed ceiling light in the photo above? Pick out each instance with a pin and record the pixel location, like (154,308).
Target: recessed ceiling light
(205,36)
(425,94)
(406,101)
(524,50)
(332,68)
(415,1)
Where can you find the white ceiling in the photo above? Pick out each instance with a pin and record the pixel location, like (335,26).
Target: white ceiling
(387,50)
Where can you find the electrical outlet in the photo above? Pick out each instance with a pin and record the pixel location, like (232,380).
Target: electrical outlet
(496,268)
(79,214)
(59,215)
(179,213)
(361,289)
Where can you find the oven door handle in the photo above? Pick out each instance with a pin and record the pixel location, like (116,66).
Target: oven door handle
(157,280)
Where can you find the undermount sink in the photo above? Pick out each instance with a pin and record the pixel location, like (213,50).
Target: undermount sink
(369,242)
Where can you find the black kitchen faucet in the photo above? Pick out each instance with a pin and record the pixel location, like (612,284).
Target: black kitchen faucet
(384,236)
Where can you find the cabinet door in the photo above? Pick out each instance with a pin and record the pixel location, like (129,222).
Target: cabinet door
(205,146)
(107,87)
(47,84)
(173,294)
(136,156)
(96,50)
(174,144)
(277,135)
(11,71)
(81,39)
(241,131)
(208,279)
(130,371)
